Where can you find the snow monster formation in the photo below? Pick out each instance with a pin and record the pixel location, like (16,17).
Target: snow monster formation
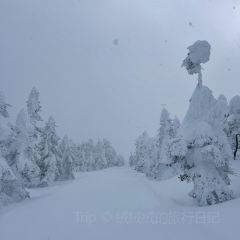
(201,147)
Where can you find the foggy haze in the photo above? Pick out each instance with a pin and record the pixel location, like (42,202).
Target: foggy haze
(105,68)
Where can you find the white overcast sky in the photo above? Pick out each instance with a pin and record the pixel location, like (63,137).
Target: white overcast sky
(97,86)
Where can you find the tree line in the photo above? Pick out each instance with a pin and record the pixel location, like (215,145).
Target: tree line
(32,155)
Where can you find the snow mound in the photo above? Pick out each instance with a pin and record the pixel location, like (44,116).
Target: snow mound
(199,53)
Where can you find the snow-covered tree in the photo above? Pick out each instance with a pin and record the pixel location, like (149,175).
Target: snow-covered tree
(164,124)
(90,156)
(3,131)
(120,161)
(88,149)
(76,157)
(175,125)
(140,154)
(25,138)
(151,156)
(232,126)
(11,189)
(21,150)
(132,160)
(100,160)
(110,154)
(162,167)
(80,161)
(34,106)
(48,153)
(66,165)
(168,130)
(3,106)
(198,53)
(201,147)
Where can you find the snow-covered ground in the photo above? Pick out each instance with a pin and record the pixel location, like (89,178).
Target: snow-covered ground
(119,203)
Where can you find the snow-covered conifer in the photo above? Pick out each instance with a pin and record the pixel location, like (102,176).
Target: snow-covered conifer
(75,155)
(88,149)
(120,161)
(163,166)
(110,154)
(66,166)
(11,188)
(48,153)
(21,150)
(33,106)
(100,160)
(232,126)
(80,162)
(201,147)
(3,106)
(132,161)
(140,153)
(151,157)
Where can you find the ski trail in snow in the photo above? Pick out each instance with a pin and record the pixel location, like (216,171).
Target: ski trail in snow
(146,183)
(115,203)
(98,195)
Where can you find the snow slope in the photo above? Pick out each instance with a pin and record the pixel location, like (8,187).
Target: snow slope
(118,203)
